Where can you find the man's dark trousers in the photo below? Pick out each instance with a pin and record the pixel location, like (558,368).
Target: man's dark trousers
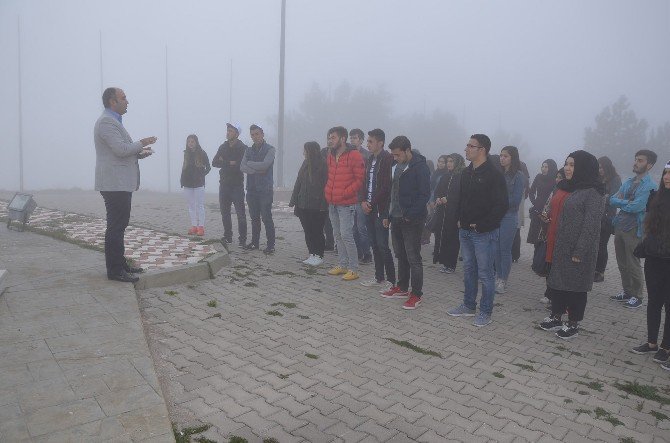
(406,239)
(379,240)
(233,195)
(117,206)
(260,207)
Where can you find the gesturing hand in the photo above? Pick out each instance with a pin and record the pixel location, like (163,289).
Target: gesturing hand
(148,141)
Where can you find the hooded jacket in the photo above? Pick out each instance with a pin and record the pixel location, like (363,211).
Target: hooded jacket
(345,177)
(483,199)
(414,188)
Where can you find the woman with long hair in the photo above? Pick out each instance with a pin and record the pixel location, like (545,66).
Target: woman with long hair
(656,251)
(516,183)
(193,171)
(447,192)
(309,201)
(612,181)
(572,238)
(539,192)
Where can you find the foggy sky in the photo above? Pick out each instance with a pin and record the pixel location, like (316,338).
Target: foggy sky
(540,69)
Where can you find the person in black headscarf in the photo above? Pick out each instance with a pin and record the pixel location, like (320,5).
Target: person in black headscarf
(447,194)
(572,242)
(656,251)
(542,187)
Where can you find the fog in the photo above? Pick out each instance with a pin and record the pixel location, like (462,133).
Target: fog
(539,69)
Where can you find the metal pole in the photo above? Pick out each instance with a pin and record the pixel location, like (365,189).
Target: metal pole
(20,109)
(101,83)
(280,122)
(230,89)
(167,120)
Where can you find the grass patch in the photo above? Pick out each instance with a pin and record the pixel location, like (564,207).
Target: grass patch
(202,439)
(283,376)
(284,304)
(270,440)
(217,315)
(578,354)
(172,293)
(525,367)
(597,354)
(184,436)
(602,414)
(567,400)
(312,356)
(250,284)
(642,391)
(561,348)
(557,354)
(527,309)
(498,375)
(236,439)
(275,313)
(583,392)
(627,440)
(420,350)
(212,303)
(304,317)
(628,362)
(596,386)
(311,271)
(289,273)
(317,290)
(583,411)
(279,238)
(659,415)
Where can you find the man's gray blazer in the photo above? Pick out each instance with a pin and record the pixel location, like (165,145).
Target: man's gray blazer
(116,167)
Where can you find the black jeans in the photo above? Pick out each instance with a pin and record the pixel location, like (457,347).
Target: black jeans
(117,206)
(260,207)
(447,243)
(574,302)
(516,245)
(379,240)
(312,223)
(657,277)
(603,256)
(406,239)
(233,195)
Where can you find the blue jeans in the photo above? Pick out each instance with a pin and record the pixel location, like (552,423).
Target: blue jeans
(478,251)
(342,218)
(361,235)
(505,241)
(260,207)
(379,240)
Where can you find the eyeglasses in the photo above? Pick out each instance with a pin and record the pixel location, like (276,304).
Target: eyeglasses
(469,146)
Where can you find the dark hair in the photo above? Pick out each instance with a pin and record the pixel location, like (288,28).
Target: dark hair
(400,142)
(199,157)
(561,172)
(109,94)
(608,168)
(313,158)
(649,155)
(357,132)
(442,157)
(254,127)
(341,131)
(378,134)
(483,140)
(657,220)
(516,163)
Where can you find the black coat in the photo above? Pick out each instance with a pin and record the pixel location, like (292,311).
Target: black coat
(308,191)
(193,173)
(483,201)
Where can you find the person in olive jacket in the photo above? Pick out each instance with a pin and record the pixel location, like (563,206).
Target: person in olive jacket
(309,201)
(193,171)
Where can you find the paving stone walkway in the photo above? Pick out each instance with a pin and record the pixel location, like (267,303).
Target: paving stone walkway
(275,349)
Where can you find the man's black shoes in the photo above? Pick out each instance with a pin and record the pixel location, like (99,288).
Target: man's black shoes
(123,276)
(134,270)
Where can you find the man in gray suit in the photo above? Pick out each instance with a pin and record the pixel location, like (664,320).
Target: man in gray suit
(117,175)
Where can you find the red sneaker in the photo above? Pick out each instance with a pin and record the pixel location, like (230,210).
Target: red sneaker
(193,230)
(200,231)
(395,292)
(412,302)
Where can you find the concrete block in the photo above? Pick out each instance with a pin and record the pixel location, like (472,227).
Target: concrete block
(218,261)
(174,276)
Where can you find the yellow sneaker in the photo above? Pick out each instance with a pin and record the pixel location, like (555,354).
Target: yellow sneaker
(350,275)
(337,270)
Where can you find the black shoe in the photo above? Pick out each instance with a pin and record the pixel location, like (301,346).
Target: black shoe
(644,348)
(124,277)
(268,250)
(598,277)
(567,332)
(551,324)
(329,248)
(226,241)
(250,247)
(134,270)
(662,355)
(242,243)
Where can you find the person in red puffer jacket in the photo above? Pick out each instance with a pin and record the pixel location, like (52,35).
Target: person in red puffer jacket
(345,178)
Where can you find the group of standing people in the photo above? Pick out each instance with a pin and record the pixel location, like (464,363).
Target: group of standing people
(367,195)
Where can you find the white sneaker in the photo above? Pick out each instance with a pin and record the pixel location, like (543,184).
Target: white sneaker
(545,300)
(315,260)
(308,259)
(501,286)
(370,283)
